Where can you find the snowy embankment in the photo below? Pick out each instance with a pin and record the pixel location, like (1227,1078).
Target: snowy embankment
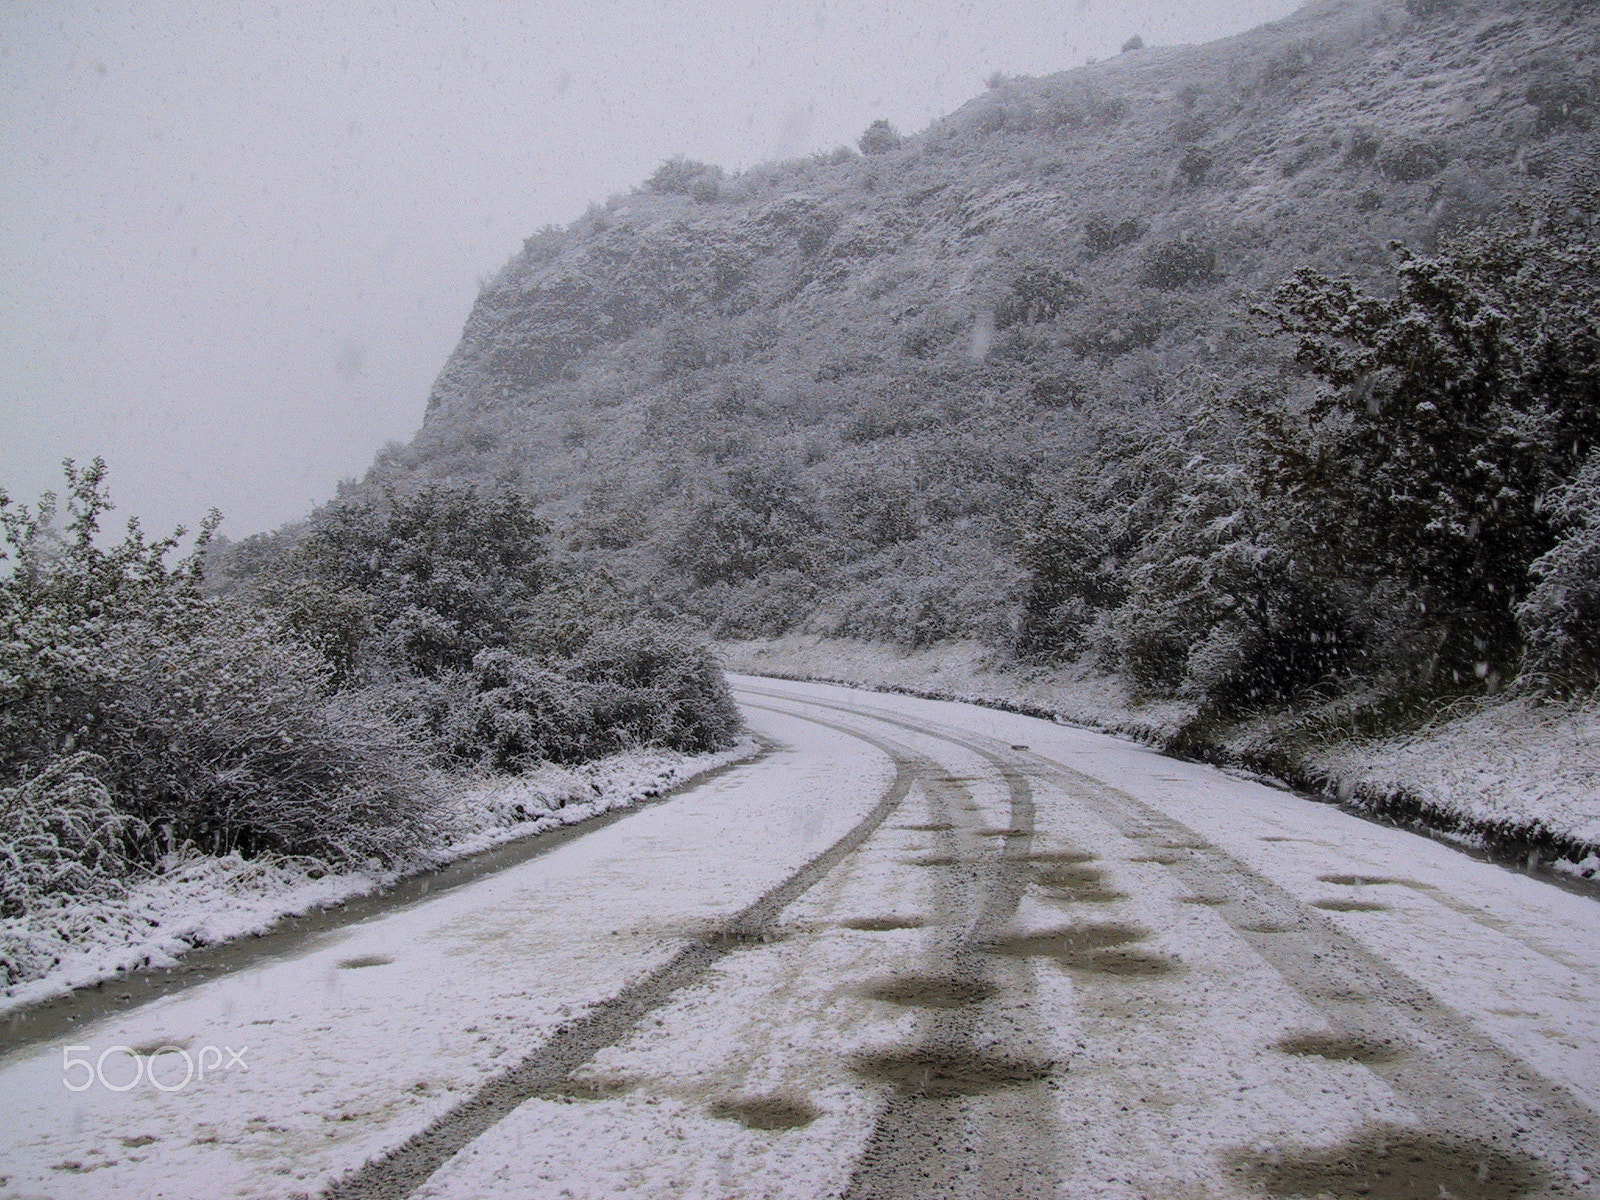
(204,900)
(1509,775)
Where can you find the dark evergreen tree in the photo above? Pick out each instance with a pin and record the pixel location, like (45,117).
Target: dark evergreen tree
(1449,412)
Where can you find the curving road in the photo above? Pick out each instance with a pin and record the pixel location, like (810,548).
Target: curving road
(916,949)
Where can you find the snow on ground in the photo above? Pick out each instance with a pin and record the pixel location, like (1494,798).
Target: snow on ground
(743,1086)
(1516,763)
(203,900)
(965,671)
(1516,956)
(755,1080)
(362,1037)
(1507,767)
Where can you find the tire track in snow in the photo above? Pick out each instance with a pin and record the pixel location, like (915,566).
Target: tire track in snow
(402,1170)
(1454,1077)
(934,1135)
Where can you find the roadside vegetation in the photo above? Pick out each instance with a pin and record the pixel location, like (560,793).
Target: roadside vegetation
(1218,373)
(1405,515)
(1254,378)
(320,707)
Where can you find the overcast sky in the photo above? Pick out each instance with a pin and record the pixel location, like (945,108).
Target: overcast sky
(237,240)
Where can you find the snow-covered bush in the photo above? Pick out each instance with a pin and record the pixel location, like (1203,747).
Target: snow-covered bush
(1179,263)
(210,725)
(1561,616)
(230,737)
(880,138)
(1445,414)
(661,687)
(686,177)
(60,832)
(421,582)
(519,713)
(642,684)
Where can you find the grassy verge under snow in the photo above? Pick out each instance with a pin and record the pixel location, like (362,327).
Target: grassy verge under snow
(1514,776)
(200,900)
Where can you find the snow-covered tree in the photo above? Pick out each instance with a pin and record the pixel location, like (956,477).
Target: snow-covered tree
(1448,412)
(439,575)
(1561,616)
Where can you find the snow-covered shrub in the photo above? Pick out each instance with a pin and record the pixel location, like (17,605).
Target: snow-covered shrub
(1178,263)
(763,607)
(210,723)
(668,689)
(521,713)
(337,621)
(60,832)
(1560,619)
(1410,160)
(686,177)
(1562,98)
(759,517)
(212,727)
(1103,233)
(437,576)
(1446,412)
(880,138)
(230,737)
(630,685)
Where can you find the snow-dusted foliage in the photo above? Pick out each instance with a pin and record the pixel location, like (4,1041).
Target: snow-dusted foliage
(303,717)
(642,684)
(1397,530)
(1448,413)
(60,833)
(431,578)
(207,724)
(447,607)
(1561,616)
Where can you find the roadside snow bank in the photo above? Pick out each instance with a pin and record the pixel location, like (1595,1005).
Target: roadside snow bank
(1515,775)
(965,671)
(203,900)
(1519,769)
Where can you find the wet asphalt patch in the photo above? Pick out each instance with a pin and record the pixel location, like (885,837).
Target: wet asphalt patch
(1381,1163)
(1100,949)
(365,960)
(1363,880)
(1349,906)
(929,991)
(741,939)
(1067,943)
(1337,1048)
(1079,884)
(883,924)
(774,1113)
(943,1074)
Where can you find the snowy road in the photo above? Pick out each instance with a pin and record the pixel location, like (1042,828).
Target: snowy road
(918,949)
